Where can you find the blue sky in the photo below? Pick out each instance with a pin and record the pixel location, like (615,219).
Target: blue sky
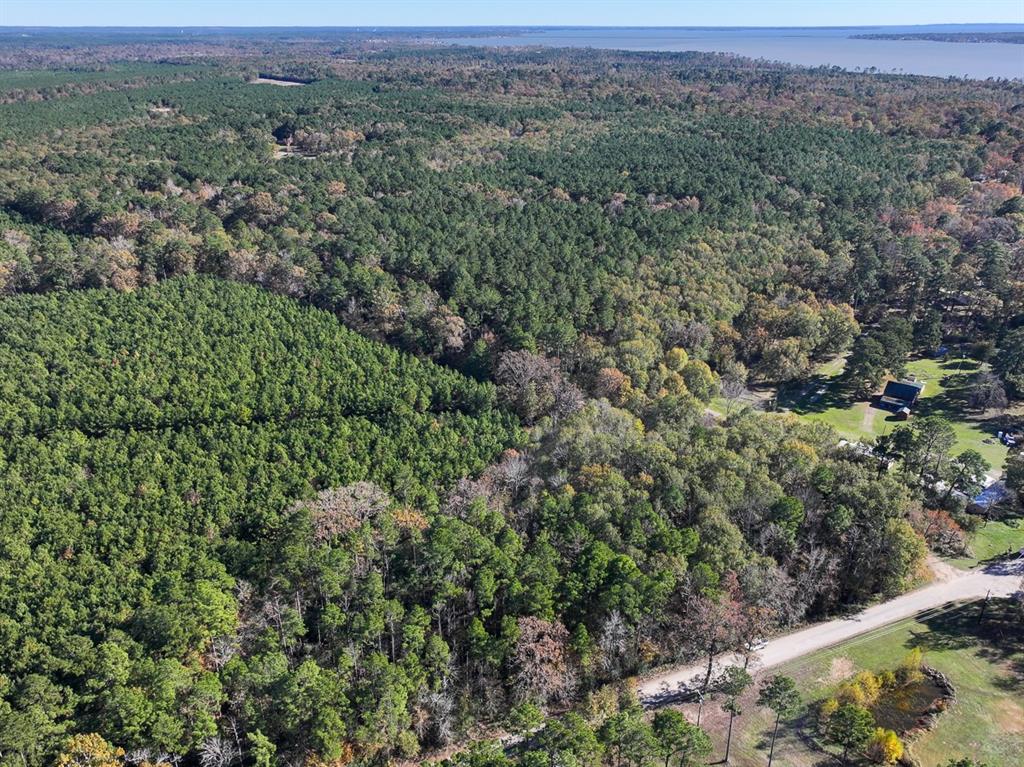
(507,12)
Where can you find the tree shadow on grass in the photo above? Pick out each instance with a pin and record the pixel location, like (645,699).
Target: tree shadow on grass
(1012,682)
(953,397)
(952,401)
(961,365)
(816,395)
(804,730)
(950,404)
(995,633)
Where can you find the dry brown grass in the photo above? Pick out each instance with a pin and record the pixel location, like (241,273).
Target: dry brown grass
(272,81)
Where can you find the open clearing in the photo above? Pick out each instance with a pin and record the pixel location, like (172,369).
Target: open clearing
(992,540)
(823,399)
(275,81)
(984,662)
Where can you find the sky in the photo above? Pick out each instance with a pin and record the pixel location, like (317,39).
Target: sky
(505,12)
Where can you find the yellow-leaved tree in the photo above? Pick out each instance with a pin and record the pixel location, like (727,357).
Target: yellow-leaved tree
(89,751)
(885,747)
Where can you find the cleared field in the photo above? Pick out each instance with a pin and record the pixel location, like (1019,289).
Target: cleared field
(276,81)
(984,661)
(992,540)
(823,399)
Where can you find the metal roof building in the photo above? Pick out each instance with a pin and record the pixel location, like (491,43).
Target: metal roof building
(901,394)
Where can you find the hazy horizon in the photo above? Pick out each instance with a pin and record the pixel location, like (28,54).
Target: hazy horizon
(521,13)
(710,27)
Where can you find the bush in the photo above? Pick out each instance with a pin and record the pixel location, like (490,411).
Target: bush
(885,747)
(909,670)
(863,690)
(825,711)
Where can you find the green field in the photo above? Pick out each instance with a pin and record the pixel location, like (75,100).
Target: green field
(985,664)
(823,399)
(991,540)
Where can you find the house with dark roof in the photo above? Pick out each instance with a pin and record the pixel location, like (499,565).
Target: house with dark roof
(901,395)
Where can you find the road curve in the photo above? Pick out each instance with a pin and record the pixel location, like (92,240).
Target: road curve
(1000,580)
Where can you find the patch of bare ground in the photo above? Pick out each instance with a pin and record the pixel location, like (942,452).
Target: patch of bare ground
(1010,718)
(867,421)
(287,150)
(274,81)
(941,572)
(760,395)
(841,668)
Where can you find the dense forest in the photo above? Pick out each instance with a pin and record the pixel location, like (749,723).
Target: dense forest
(575,212)
(159,451)
(346,420)
(233,503)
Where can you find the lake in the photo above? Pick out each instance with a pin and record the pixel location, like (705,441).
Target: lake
(832,46)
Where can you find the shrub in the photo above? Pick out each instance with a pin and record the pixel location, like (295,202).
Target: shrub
(826,710)
(909,670)
(885,747)
(863,690)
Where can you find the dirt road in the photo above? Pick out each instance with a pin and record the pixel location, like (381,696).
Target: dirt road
(1001,579)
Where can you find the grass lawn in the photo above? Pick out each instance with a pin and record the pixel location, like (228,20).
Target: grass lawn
(822,399)
(985,664)
(992,540)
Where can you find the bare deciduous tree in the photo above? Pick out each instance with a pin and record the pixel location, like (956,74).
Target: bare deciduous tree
(437,717)
(613,643)
(987,392)
(342,509)
(569,399)
(541,659)
(217,752)
(733,389)
(527,382)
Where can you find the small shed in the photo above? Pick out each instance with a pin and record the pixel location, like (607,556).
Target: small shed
(901,394)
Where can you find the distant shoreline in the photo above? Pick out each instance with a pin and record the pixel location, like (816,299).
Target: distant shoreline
(1015,38)
(892,50)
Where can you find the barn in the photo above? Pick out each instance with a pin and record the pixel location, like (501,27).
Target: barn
(900,395)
